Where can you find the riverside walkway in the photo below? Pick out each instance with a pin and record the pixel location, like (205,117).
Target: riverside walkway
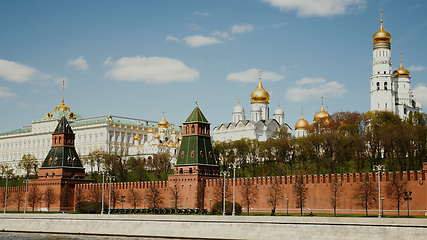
(216,227)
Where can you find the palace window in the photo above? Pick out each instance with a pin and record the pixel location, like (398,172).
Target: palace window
(385,86)
(193,154)
(378,85)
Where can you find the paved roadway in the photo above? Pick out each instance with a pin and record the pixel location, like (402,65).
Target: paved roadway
(217,227)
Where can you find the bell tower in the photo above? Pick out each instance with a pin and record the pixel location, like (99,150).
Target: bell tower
(382,87)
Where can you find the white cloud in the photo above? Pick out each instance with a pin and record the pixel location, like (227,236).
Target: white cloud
(79,64)
(320,8)
(203,14)
(251,75)
(151,70)
(6,92)
(199,41)
(223,35)
(420,93)
(16,72)
(330,89)
(278,25)
(195,27)
(304,81)
(172,38)
(242,28)
(418,68)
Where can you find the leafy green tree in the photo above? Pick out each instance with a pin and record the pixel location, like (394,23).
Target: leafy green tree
(29,164)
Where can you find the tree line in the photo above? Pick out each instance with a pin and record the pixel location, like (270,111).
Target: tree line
(350,142)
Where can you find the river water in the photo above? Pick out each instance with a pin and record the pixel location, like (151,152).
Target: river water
(40,236)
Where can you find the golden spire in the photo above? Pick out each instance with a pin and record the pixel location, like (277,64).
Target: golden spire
(163,122)
(401,71)
(322,114)
(301,123)
(260,95)
(62,107)
(381,36)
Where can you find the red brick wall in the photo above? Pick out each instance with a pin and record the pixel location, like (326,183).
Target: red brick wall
(318,193)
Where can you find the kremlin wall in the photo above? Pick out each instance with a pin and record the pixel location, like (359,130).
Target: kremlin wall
(197,184)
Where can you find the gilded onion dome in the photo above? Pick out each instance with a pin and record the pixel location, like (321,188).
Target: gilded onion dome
(62,107)
(260,95)
(137,137)
(381,36)
(302,124)
(150,130)
(321,115)
(163,123)
(401,72)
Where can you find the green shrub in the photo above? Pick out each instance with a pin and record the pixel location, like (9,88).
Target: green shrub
(217,208)
(90,207)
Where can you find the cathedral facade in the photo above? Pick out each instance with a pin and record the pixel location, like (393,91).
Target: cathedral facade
(390,90)
(260,126)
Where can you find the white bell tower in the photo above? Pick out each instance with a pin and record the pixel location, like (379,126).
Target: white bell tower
(382,87)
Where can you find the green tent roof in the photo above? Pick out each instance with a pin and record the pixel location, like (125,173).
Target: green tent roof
(196,116)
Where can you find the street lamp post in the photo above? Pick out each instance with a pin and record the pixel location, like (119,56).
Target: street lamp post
(25,196)
(5,196)
(102,193)
(379,168)
(382,206)
(234,189)
(407,198)
(287,206)
(110,178)
(224,174)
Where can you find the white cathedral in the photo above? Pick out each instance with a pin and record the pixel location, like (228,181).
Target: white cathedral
(390,90)
(260,126)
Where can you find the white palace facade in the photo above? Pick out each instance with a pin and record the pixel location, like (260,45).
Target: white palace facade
(111,134)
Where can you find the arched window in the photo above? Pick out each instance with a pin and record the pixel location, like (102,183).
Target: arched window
(378,85)
(385,86)
(193,154)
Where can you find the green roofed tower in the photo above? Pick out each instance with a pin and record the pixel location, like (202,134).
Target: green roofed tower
(196,161)
(196,146)
(62,153)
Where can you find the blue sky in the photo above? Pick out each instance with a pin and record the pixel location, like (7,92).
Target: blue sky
(141,58)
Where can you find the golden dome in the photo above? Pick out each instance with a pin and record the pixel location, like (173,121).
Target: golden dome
(62,107)
(321,115)
(157,137)
(162,131)
(302,124)
(137,138)
(260,95)
(163,123)
(381,36)
(173,132)
(150,130)
(402,72)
